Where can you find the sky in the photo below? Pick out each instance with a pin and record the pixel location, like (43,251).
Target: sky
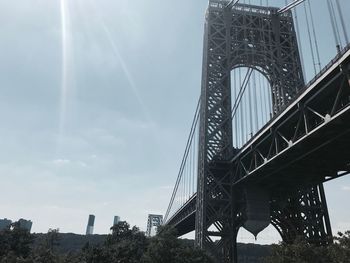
(96,102)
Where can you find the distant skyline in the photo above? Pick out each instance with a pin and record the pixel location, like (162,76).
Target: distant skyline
(97,98)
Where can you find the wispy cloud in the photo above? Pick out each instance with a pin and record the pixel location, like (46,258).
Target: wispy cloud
(346,188)
(61,162)
(166,187)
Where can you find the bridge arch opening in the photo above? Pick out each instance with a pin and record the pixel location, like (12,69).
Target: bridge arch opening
(269,235)
(252,106)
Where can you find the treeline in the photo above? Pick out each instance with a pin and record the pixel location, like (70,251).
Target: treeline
(130,245)
(302,252)
(124,245)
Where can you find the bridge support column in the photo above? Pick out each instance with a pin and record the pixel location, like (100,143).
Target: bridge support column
(237,36)
(304,214)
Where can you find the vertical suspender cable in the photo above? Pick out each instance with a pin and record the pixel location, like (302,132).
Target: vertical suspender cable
(262,101)
(269,98)
(244,108)
(241,92)
(267,91)
(187,177)
(310,39)
(194,165)
(274,92)
(334,25)
(255,103)
(234,123)
(299,43)
(246,117)
(178,186)
(265,100)
(250,132)
(196,159)
(342,22)
(193,161)
(195,150)
(184,183)
(241,111)
(261,90)
(314,34)
(189,182)
(184,178)
(253,99)
(192,170)
(181,189)
(236,119)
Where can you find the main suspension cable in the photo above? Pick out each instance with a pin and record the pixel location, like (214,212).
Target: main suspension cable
(184,158)
(241,92)
(299,43)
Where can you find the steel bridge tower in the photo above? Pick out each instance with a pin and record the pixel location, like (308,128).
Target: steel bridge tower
(260,38)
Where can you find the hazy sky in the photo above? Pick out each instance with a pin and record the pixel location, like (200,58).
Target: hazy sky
(97,98)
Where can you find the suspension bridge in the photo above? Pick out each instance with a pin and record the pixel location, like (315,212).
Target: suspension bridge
(262,141)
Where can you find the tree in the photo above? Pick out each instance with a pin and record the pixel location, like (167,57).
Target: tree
(302,252)
(120,231)
(166,247)
(298,252)
(163,247)
(124,245)
(45,250)
(340,250)
(16,240)
(52,239)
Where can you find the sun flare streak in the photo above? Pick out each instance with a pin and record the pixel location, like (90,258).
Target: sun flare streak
(119,57)
(64,69)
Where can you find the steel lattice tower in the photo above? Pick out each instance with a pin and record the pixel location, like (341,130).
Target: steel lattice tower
(259,38)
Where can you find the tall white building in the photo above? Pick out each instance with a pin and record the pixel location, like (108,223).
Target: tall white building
(116,220)
(5,223)
(25,224)
(90,225)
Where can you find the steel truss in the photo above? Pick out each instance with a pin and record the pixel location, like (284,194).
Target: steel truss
(259,38)
(313,130)
(312,122)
